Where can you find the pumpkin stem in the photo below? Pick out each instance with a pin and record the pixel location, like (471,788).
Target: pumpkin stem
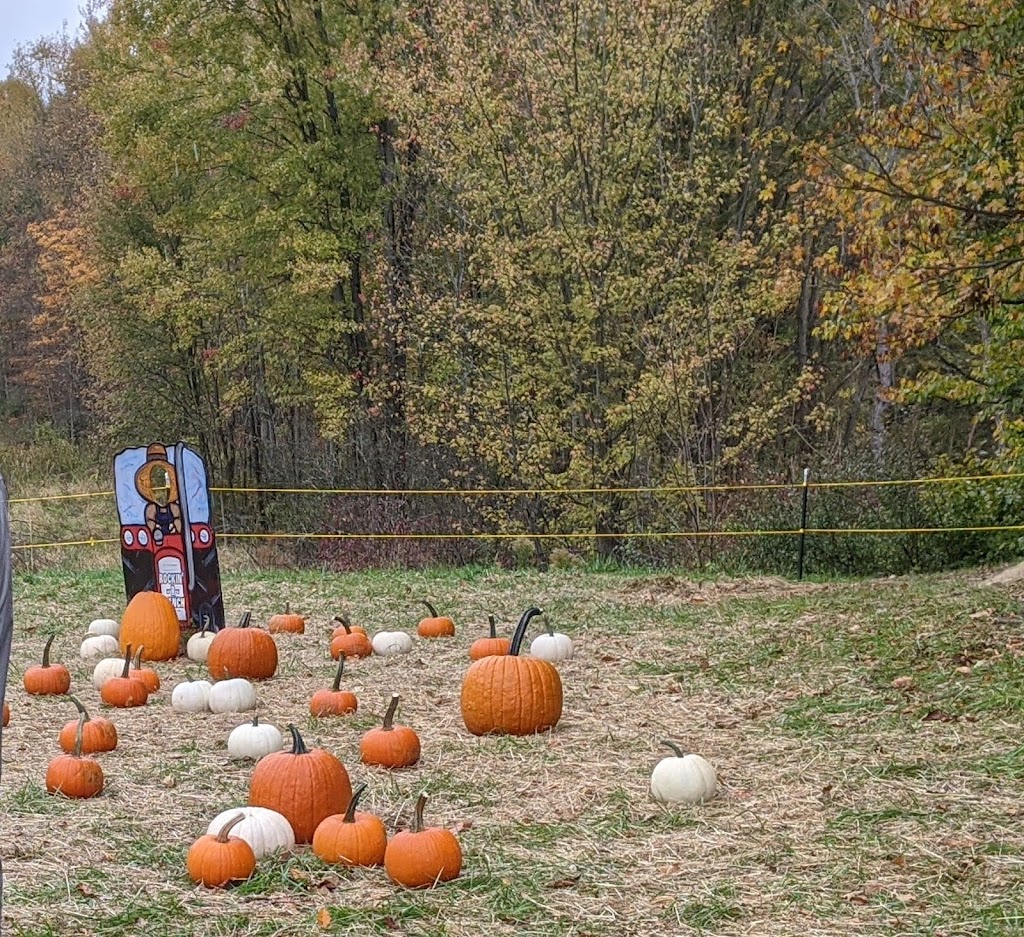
(245,620)
(138,657)
(222,836)
(350,813)
(494,633)
(389,716)
(336,686)
(127,661)
(417,816)
(550,627)
(79,735)
(344,622)
(287,608)
(298,746)
(255,719)
(520,632)
(46,649)
(78,705)
(675,748)
(430,608)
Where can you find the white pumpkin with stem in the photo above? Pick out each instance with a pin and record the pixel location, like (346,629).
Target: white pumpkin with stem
(683,778)
(265,830)
(191,696)
(390,643)
(197,648)
(551,645)
(99,645)
(254,740)
(235,695)
(105,669)
(105,626)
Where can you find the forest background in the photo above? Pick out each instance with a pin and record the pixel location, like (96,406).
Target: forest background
(523,245)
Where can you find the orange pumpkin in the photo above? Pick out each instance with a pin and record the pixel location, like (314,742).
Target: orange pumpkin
(335,701)
(347,642)
(214,861)
(72,775)
(421,858)
(124,691)
(305,785)
(351,838)
(7,714)
(287,622)
(98,734)
(47,679)
(435,626)
(147,676)
(151,621)
(242,651)
(390,746)
(511,694)
(491,646)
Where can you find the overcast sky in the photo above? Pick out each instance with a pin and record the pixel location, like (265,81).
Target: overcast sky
(21,21)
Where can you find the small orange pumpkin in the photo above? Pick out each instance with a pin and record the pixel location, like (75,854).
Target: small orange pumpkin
(345,626)
(7,714)
(242,652)
(147,676)
(421,858)
(72,775)
(390,746)
(215,861)
(150,620)
(335,701)
(287,622)
(305,785)
(99,734)
(124,691)
(491,646)
(351,839)
(436,626)
(47,679)
(511,694)
(347,642)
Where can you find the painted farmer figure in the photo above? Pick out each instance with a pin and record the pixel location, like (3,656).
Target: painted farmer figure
(157,482)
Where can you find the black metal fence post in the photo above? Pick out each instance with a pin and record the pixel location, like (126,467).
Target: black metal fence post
(803,525)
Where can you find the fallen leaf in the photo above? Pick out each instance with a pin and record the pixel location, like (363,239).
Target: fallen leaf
(903,683)
(938,715)
(85,890)
(323,919)
(460,826)
(566,882)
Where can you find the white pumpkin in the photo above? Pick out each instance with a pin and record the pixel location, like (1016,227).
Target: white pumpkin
(105,669)
(263,829)
(105,626)
(551,646)
(191,696)
(197,647)
(683,779)
(254,740)
(389,643)
(99,645)
(232,696)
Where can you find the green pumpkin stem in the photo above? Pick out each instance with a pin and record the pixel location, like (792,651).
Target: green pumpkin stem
(255,719)
(430,608)
(417,816)
(78,705)
(490,618)
(389,716)
(520,632)
(46,649)
(679,753)
(76,752)
(222,836)
(336,686)
(350,813)
(127,662)
(298,746)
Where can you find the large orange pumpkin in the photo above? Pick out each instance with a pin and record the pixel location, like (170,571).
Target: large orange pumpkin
(242,652)
(305,785)
(151,621)
(510,694)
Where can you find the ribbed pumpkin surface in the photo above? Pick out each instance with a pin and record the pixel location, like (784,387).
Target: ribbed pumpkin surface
(511,694)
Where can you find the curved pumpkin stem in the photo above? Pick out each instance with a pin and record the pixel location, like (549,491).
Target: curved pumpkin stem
(298,746)
(245,620)
(336,686)
(417,816)
(675,748)
(76,752)
(46,649)
(350,813)
(344,622)
(127,661)
(520,632)
(78,705)
(138,657)
(430,608)
(490,619)
(389,716)
(222,836)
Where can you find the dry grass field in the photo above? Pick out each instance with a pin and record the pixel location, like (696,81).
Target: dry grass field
(867,737)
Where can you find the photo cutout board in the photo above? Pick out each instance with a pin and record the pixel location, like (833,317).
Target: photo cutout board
(6,613)
(167,538)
